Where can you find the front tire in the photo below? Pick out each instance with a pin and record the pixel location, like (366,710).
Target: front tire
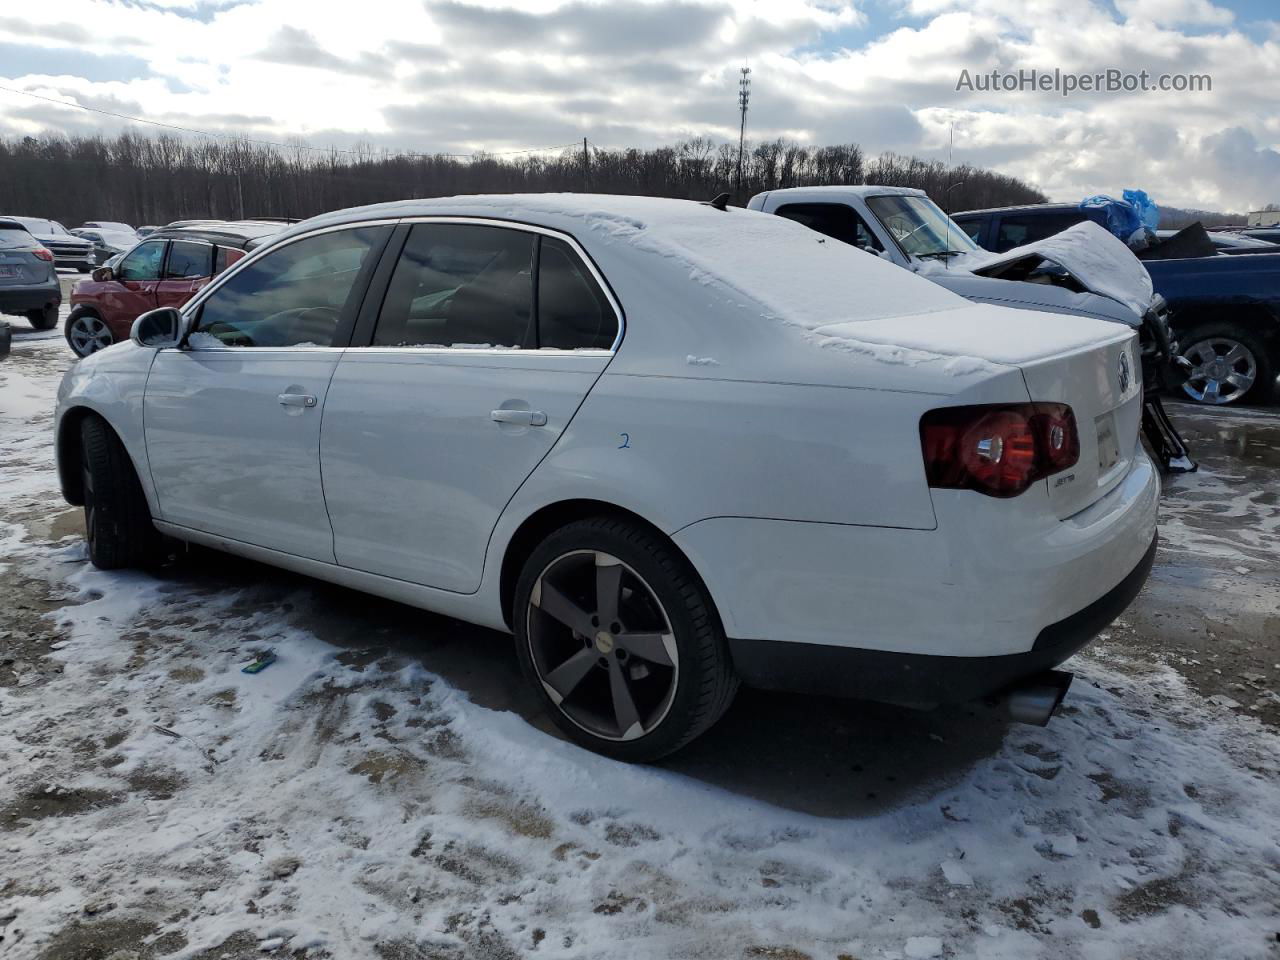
(86,333)
(1230,364)
(117,519)
(617,635)
(46,318)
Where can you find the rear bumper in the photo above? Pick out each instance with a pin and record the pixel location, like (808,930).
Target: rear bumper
(33,297)
(918,678)
(986,583)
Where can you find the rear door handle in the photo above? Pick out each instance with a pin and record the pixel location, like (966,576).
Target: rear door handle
(525,418)
(296,400)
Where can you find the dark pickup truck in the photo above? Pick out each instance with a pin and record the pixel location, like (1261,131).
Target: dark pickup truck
(1224,310)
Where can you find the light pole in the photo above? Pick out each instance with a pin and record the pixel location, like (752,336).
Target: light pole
(744,95)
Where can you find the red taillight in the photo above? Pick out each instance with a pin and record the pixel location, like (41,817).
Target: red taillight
(998,450)
(43,253)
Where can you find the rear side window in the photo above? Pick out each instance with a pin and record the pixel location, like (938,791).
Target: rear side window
(460,285)
(573,312)
(1016,230)
(143,262)
(838,220)
(294,296)
(188,260)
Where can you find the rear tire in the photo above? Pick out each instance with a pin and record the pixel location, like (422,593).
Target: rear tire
(46,318)
(117,519)
(1231,365)
(653,674)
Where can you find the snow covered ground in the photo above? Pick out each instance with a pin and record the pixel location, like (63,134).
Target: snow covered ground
(385,790)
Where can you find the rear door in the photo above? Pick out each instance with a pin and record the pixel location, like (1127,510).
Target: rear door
(232,424)
(132,291)
(187,268)
(486,343)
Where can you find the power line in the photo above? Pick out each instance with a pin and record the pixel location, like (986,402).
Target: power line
(274,143)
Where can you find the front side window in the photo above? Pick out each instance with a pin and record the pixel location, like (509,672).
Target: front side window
(143,262)
(838,220)
(294,296)
(921,229)
(188,260)
(460,285)
(573,313)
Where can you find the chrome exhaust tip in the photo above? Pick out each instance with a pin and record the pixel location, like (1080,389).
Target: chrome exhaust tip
(1036,699)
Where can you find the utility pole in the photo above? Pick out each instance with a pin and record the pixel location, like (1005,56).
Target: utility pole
(744,95)
(586,167)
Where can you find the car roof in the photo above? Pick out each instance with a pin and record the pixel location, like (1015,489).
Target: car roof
(1024,208)
(861,190)
(244,234)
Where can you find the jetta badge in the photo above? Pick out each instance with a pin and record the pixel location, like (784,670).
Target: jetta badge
(1124,371)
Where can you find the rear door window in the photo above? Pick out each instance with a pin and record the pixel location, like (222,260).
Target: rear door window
(143,262)
(460,285)
(188,260)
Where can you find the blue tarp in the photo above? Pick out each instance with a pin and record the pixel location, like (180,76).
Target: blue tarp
(1133,219)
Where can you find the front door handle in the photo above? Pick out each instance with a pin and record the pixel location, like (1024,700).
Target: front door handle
(296,400)
(525,418)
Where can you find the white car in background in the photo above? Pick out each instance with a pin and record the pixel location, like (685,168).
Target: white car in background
(671,447)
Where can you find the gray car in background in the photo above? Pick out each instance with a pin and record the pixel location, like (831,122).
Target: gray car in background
(68,250)
(28,281)
(106,242)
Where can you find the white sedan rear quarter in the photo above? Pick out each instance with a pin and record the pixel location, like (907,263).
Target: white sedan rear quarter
(669,446)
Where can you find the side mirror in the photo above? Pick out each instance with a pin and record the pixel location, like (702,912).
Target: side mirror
(162,327)
(103,274)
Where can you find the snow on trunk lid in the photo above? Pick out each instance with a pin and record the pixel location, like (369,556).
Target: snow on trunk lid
(1103,385)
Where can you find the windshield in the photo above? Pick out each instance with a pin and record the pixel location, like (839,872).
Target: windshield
(921,229)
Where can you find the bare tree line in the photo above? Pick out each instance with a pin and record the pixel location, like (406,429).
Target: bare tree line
(154,180)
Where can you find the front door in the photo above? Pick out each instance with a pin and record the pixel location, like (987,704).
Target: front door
(132,290)
(465,386)
(233,424)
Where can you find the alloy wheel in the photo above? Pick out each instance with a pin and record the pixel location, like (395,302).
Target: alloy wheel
(1222,370)
(602,645)
(88,334)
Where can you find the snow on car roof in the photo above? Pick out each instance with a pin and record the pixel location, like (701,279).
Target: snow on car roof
(791,271)
(861,190)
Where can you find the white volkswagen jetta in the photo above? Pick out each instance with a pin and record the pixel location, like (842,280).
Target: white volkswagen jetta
(670,447)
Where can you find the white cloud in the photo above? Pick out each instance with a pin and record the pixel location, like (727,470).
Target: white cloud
(462,75)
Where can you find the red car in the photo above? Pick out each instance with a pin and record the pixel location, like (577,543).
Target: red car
(164,270)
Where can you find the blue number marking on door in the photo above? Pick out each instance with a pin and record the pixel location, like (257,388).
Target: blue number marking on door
(626,441)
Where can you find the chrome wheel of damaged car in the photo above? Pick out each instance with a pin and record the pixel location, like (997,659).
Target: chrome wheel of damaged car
(86,333)
(602,645)
(1222,370)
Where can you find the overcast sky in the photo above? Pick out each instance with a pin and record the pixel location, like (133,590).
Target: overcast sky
(460,75)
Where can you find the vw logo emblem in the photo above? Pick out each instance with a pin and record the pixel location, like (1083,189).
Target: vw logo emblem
(1124,371)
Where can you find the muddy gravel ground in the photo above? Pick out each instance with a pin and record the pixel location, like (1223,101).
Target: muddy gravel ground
(387,789)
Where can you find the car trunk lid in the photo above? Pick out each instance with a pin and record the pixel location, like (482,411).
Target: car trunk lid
(1102,383)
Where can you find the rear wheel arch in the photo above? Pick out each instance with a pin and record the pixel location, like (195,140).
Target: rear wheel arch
(547,520)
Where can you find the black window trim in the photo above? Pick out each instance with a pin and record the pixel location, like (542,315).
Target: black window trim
(382,281)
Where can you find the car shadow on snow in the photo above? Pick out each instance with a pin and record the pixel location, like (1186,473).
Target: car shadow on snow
(822,756)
